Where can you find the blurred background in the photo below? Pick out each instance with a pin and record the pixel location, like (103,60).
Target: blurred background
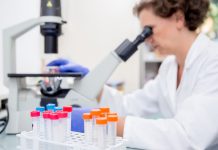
(93,29)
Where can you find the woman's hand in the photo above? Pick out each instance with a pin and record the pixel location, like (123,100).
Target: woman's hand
(66,65)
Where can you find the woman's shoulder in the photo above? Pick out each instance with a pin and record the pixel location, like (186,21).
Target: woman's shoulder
(209,57)
(169,61)
(212,50)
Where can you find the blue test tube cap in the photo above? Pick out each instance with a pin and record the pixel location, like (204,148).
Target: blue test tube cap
(57,108)
(40,109)
(50,107)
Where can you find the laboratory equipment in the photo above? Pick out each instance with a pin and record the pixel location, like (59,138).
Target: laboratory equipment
(77,122)
(95,114)
(112,113)
(47,126)
(69,110)
(76,142)
(90,86)
(101,124)
(41,120)
(57,109)
(63,125)
(112,129)
(50,107)
(56,136)
(88,127)
(105,110)
(55,125)
(23,98)
(3,94)
(35,122)
(103,115)
(4,115)
(40,109)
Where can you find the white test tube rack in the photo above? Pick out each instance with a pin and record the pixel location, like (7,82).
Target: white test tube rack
(76,141)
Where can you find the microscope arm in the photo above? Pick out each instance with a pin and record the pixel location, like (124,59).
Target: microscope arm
(90,86)
(18,30)
(9,41)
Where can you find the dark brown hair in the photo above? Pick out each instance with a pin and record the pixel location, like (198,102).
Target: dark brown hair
(195,11)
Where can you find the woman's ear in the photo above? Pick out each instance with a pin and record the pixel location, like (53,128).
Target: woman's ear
(180,19)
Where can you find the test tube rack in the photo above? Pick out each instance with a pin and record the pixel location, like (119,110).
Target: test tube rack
(75,141)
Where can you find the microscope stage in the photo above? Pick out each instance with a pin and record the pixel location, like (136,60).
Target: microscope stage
(23,75)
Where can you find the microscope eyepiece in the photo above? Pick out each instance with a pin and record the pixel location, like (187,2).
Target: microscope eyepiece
(128,48)
(147,31)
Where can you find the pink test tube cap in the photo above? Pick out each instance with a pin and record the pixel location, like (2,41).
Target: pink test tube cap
(54,116)
(62,114)
(34,113)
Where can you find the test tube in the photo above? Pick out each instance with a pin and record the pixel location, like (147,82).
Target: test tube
(40,109)
(57,109)
(105,110)
(87,117)
(41,120)
(112,129)
(47,125)
(112,113)
(68,109)
(35,122)
(63,125)
(50,107)
(55,127)
(95,114)
(102,115)
(101,124)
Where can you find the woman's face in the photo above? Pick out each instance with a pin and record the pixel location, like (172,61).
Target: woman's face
(165,31)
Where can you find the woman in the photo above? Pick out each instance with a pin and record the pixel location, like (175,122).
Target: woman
(185,92)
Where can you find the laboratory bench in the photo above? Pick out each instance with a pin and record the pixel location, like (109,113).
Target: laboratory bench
(10,142)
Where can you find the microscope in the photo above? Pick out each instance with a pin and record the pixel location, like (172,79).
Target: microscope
(84,90)
(23,98)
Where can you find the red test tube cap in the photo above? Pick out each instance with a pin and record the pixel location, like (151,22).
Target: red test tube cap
(68,108)
(34,113)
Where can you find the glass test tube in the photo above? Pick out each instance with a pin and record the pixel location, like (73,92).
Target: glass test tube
(95,114)
(63,125)
(41,120)
(112,129)
(35,122)
(101,124)
(47,125)
(87,117)
(55,127)
(69,110)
